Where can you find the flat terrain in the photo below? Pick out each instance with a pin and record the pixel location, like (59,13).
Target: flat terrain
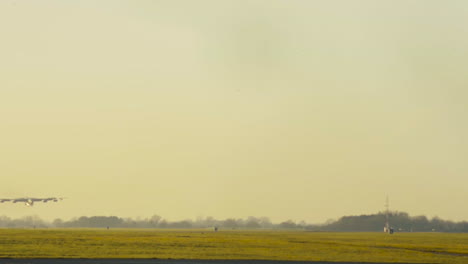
(193,245)
(163,261)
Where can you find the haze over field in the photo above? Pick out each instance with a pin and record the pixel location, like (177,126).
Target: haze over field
(304,110)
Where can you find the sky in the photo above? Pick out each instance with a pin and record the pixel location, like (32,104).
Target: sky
(302,110)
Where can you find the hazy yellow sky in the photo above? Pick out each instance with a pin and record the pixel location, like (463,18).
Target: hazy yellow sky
(303,110)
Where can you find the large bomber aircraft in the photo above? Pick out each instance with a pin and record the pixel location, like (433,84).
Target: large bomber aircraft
(30,201)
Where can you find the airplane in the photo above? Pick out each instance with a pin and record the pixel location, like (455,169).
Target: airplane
(30,201)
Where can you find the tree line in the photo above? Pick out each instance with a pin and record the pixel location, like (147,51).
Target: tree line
(400,221)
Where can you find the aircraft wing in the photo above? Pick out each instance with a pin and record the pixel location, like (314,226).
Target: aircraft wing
(45,200)
(19,200)
(29,200)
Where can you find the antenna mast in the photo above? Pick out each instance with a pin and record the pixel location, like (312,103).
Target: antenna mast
(387,228)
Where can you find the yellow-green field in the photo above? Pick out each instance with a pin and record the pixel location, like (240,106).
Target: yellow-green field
(206,244)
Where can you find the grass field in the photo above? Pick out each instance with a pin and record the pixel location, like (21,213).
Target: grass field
(206,244)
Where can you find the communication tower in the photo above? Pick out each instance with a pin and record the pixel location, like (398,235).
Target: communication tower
(387,228)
